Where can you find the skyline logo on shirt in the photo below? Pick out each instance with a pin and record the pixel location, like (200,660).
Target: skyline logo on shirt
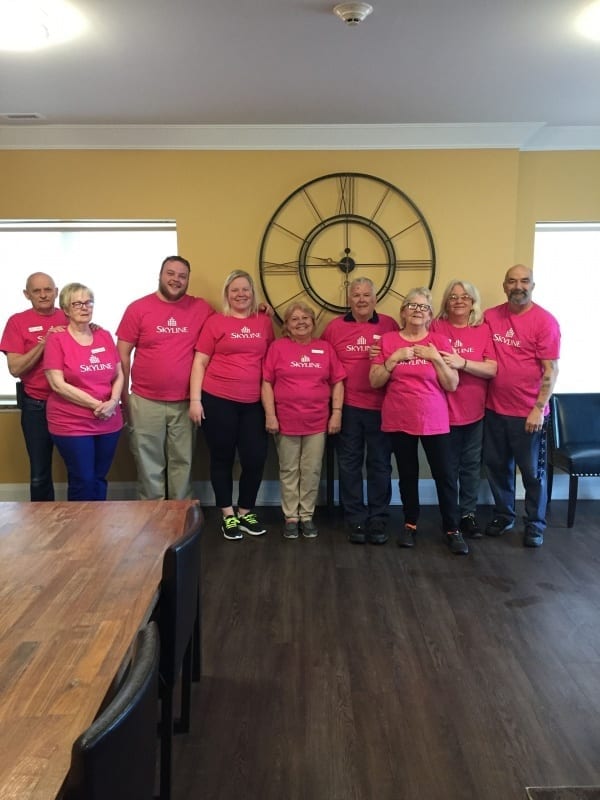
(305,363)
(361,346)
(95,365)
(172,327)
(508,338)
(246,333)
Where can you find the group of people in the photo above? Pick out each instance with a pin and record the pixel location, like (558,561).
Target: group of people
(469,386)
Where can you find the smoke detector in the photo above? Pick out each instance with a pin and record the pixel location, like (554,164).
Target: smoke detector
(352,13)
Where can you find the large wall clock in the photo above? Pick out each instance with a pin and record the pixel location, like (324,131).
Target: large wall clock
(339,227)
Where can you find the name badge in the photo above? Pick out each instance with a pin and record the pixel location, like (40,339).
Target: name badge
(98,349)
(35,328)
(317,352)
(376,337)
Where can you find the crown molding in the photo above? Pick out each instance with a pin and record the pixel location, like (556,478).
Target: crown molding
(525,136)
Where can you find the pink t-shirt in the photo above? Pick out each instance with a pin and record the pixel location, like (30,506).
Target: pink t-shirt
(467,403)
(91,368)
(351,341)
(21,334)
(164,335)
(302,376)
(236,349)
(414,401)
(522,342)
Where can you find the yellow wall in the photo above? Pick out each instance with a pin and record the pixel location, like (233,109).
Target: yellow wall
(481,206)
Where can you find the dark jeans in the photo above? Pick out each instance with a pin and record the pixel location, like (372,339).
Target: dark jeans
(39,448)
(405,447)
(361,430)
(229,426)
(466,442)
(87,459)
(506,443)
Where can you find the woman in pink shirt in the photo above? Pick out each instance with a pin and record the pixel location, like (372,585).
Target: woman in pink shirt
(225,400)
(416,379)
(472,354)
(84,418)
(302,394)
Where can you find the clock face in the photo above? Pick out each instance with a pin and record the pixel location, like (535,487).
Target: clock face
(339,227)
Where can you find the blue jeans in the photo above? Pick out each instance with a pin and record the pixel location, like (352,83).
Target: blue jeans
(506,443)
(87,459)
(466,442)
(39,448)
(361,429)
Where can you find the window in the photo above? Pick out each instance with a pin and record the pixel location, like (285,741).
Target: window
(118,260)
(567,283)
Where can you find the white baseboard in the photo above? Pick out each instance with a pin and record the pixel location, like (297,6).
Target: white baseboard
(589,489)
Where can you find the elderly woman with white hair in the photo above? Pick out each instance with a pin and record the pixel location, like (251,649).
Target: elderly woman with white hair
(472,354)
(416,379)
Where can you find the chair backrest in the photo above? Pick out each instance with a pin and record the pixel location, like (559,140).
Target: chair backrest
(178,597)
(575,419)
(115,758)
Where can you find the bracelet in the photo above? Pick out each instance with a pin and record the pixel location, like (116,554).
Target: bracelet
(464,366)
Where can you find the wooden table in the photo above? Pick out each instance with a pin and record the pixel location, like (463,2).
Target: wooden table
(77,581)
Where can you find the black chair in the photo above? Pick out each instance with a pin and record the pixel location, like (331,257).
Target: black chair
(574,442)
(115,758)
(178,615)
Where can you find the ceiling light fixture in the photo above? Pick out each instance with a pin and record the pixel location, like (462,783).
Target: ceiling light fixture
(352,13)
(588,22)
(28,25)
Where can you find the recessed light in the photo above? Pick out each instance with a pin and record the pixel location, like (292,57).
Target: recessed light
(29,25)
(588,22)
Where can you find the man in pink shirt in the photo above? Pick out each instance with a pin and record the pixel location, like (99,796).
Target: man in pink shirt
(527,343)
(162,328)
(352,337)
(23,341)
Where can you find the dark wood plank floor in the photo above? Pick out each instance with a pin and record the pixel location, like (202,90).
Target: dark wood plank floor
(343,672)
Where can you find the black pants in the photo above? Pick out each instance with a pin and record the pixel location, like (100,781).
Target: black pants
(39,448)
(229,427)
(405,449)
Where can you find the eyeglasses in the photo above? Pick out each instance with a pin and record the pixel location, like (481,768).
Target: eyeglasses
(82,304)
(463,297)
(418,307)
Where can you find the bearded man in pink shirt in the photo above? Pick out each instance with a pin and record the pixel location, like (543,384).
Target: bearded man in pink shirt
(527,343)
(162,328)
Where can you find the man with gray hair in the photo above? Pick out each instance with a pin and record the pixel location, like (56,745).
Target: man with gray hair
(23,341)
(527,342)
(361,439)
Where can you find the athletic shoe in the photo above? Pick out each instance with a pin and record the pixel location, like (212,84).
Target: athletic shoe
(532,537)
(376,533)
(309,529)
(231,527)
(469,526)
(498,526)
(249,524)
(456,543)
(290,530)
(357,534)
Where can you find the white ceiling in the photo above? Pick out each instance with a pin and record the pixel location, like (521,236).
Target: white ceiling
(414,73)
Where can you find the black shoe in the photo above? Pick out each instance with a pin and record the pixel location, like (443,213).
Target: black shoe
(406,537)
(456,543)
(357,534)
(249,524)
(376,533)
(231,527)
(498,526)
(469,526)
(532,537)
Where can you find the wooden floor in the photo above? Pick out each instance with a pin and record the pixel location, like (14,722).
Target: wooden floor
(347,672)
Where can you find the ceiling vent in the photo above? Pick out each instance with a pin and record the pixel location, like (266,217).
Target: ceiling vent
(25,116)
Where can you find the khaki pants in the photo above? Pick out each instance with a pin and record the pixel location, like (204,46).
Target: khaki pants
(300,461)
(161,436)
